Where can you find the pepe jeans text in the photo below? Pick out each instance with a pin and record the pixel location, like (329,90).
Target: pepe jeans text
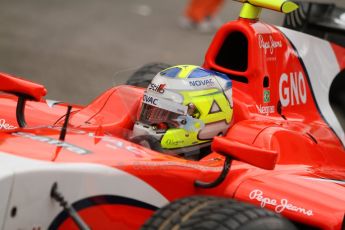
(280,205)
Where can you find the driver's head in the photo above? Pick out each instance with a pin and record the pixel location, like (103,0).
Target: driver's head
(184,107)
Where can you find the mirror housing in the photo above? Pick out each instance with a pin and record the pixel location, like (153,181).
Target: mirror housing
(262,158)
(17,86)
(24,90)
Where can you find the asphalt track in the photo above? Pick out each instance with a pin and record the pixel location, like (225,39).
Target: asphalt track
(80,48)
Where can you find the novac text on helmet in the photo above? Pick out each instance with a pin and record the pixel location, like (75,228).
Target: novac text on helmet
(206,82)
(150,100)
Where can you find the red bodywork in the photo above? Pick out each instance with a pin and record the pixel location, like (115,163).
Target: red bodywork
(306,185)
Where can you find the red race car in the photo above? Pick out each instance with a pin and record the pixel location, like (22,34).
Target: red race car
(194,150)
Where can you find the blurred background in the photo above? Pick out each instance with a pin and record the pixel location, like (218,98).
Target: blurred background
(80,48)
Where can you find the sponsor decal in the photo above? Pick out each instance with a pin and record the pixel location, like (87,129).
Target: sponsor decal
(272,58)
(292,89)
(157,88)
(174,142)
(270,44)
(150,165)
(267,96)
(118,144)
(150,100)
(5,125)
(279,205)
(52,141)
(265,109)
(198,83)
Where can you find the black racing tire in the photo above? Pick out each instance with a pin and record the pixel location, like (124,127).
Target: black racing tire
(143,76)
(213,213)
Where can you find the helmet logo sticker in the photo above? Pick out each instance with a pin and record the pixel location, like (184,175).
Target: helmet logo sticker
(164,104)
(215,108)
(150,100)
(157,88)
(198,83)
(190,124)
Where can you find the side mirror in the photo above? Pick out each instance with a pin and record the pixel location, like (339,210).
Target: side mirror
(25,90)
(17,86)
(262,158)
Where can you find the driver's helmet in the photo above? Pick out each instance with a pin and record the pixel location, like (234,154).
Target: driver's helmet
(184,107)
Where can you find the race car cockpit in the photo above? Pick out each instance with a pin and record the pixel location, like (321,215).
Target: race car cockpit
(183,108)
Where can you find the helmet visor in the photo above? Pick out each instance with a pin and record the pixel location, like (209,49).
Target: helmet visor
(156,110)
(152,115)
